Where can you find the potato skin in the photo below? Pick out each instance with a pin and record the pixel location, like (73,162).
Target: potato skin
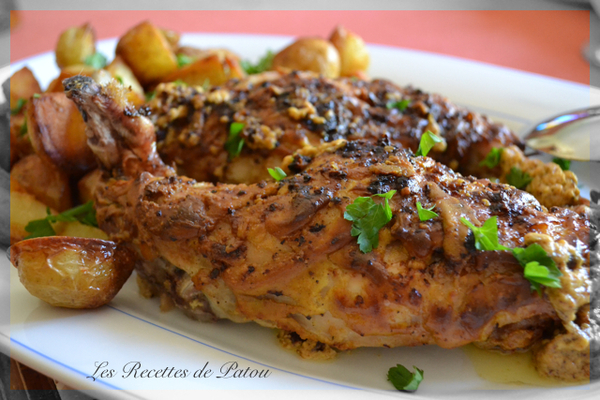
(72,272)
(147,52)
(309,54)
(74,45)
(354,57)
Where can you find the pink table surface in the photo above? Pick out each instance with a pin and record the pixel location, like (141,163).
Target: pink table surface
(543,42)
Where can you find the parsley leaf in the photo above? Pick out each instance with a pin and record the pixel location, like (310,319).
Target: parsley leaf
(486,236)
(398,105)
(234,143)
(183,60)
(179,82)
(517,178)
(562,163)
(85,214)
(493,158)
(37,95)
(96,60)
(368,218)
(425,214)
(277,173)
(428,140)
(264,64)
(119,79)
(19,107)
(540,268)
(150,95)
(403,379)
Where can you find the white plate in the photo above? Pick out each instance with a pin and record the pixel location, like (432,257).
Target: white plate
(68,344)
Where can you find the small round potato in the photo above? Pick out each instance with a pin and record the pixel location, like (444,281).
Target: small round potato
(354,57)
(309,54)
(74,45)
(72,272)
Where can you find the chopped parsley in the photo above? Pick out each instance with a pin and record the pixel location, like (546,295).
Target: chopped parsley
(37,95)
(425,214)
(428,140)
(562,163)
(119,79)
(183,60)
(368,218)
(517,178)
(234,143)
(493,158)
(539,267)
(403,379)
(85,214)
(264,64)
(150,95)
(96,60)
(179,82)
(486,236)
(20,104)
(277,173)
(398,105)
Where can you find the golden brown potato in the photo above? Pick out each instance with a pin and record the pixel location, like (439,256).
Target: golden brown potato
(57,133)
(196,54)
(309,54)
(74,45)
(211,70)
(122,73)
(147,52)
(20,145)
(23,85)
(24,207)
(172,38)
(354,56)
(44,181)
(77,229)
(56,85)
(72,272)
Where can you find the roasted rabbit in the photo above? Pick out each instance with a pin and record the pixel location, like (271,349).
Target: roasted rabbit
(279,114)
(281,253)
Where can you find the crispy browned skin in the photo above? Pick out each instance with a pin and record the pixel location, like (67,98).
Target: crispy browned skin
(284,112)
(281,253)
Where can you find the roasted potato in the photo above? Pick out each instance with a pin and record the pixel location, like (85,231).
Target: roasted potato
(44,181)
(354,56)
(196,54)
(23,85)
(79,230)
(20,145)
(309,54)
(75,45)
(122,73)
(148,53)
(57,133)
(172,38)
(67,72)
(212,70)
(24,207)
(87,185)
(72,272)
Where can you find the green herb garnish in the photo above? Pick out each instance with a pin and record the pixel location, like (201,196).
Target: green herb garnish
(179,82)
(517,178)
(183,60)
(428,140)
(368,218)
(264,64)
(234,143)
(425,214)
(403,379)
(562,163)
(85,214)
(37,95)
(493,158)
(119,79)
(486,236)
(398,105)
(20,104)
(150,95)
(96,60)
(23,130)
(540,268)
(277,173)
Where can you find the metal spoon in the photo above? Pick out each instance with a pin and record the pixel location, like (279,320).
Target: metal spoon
(568,135)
